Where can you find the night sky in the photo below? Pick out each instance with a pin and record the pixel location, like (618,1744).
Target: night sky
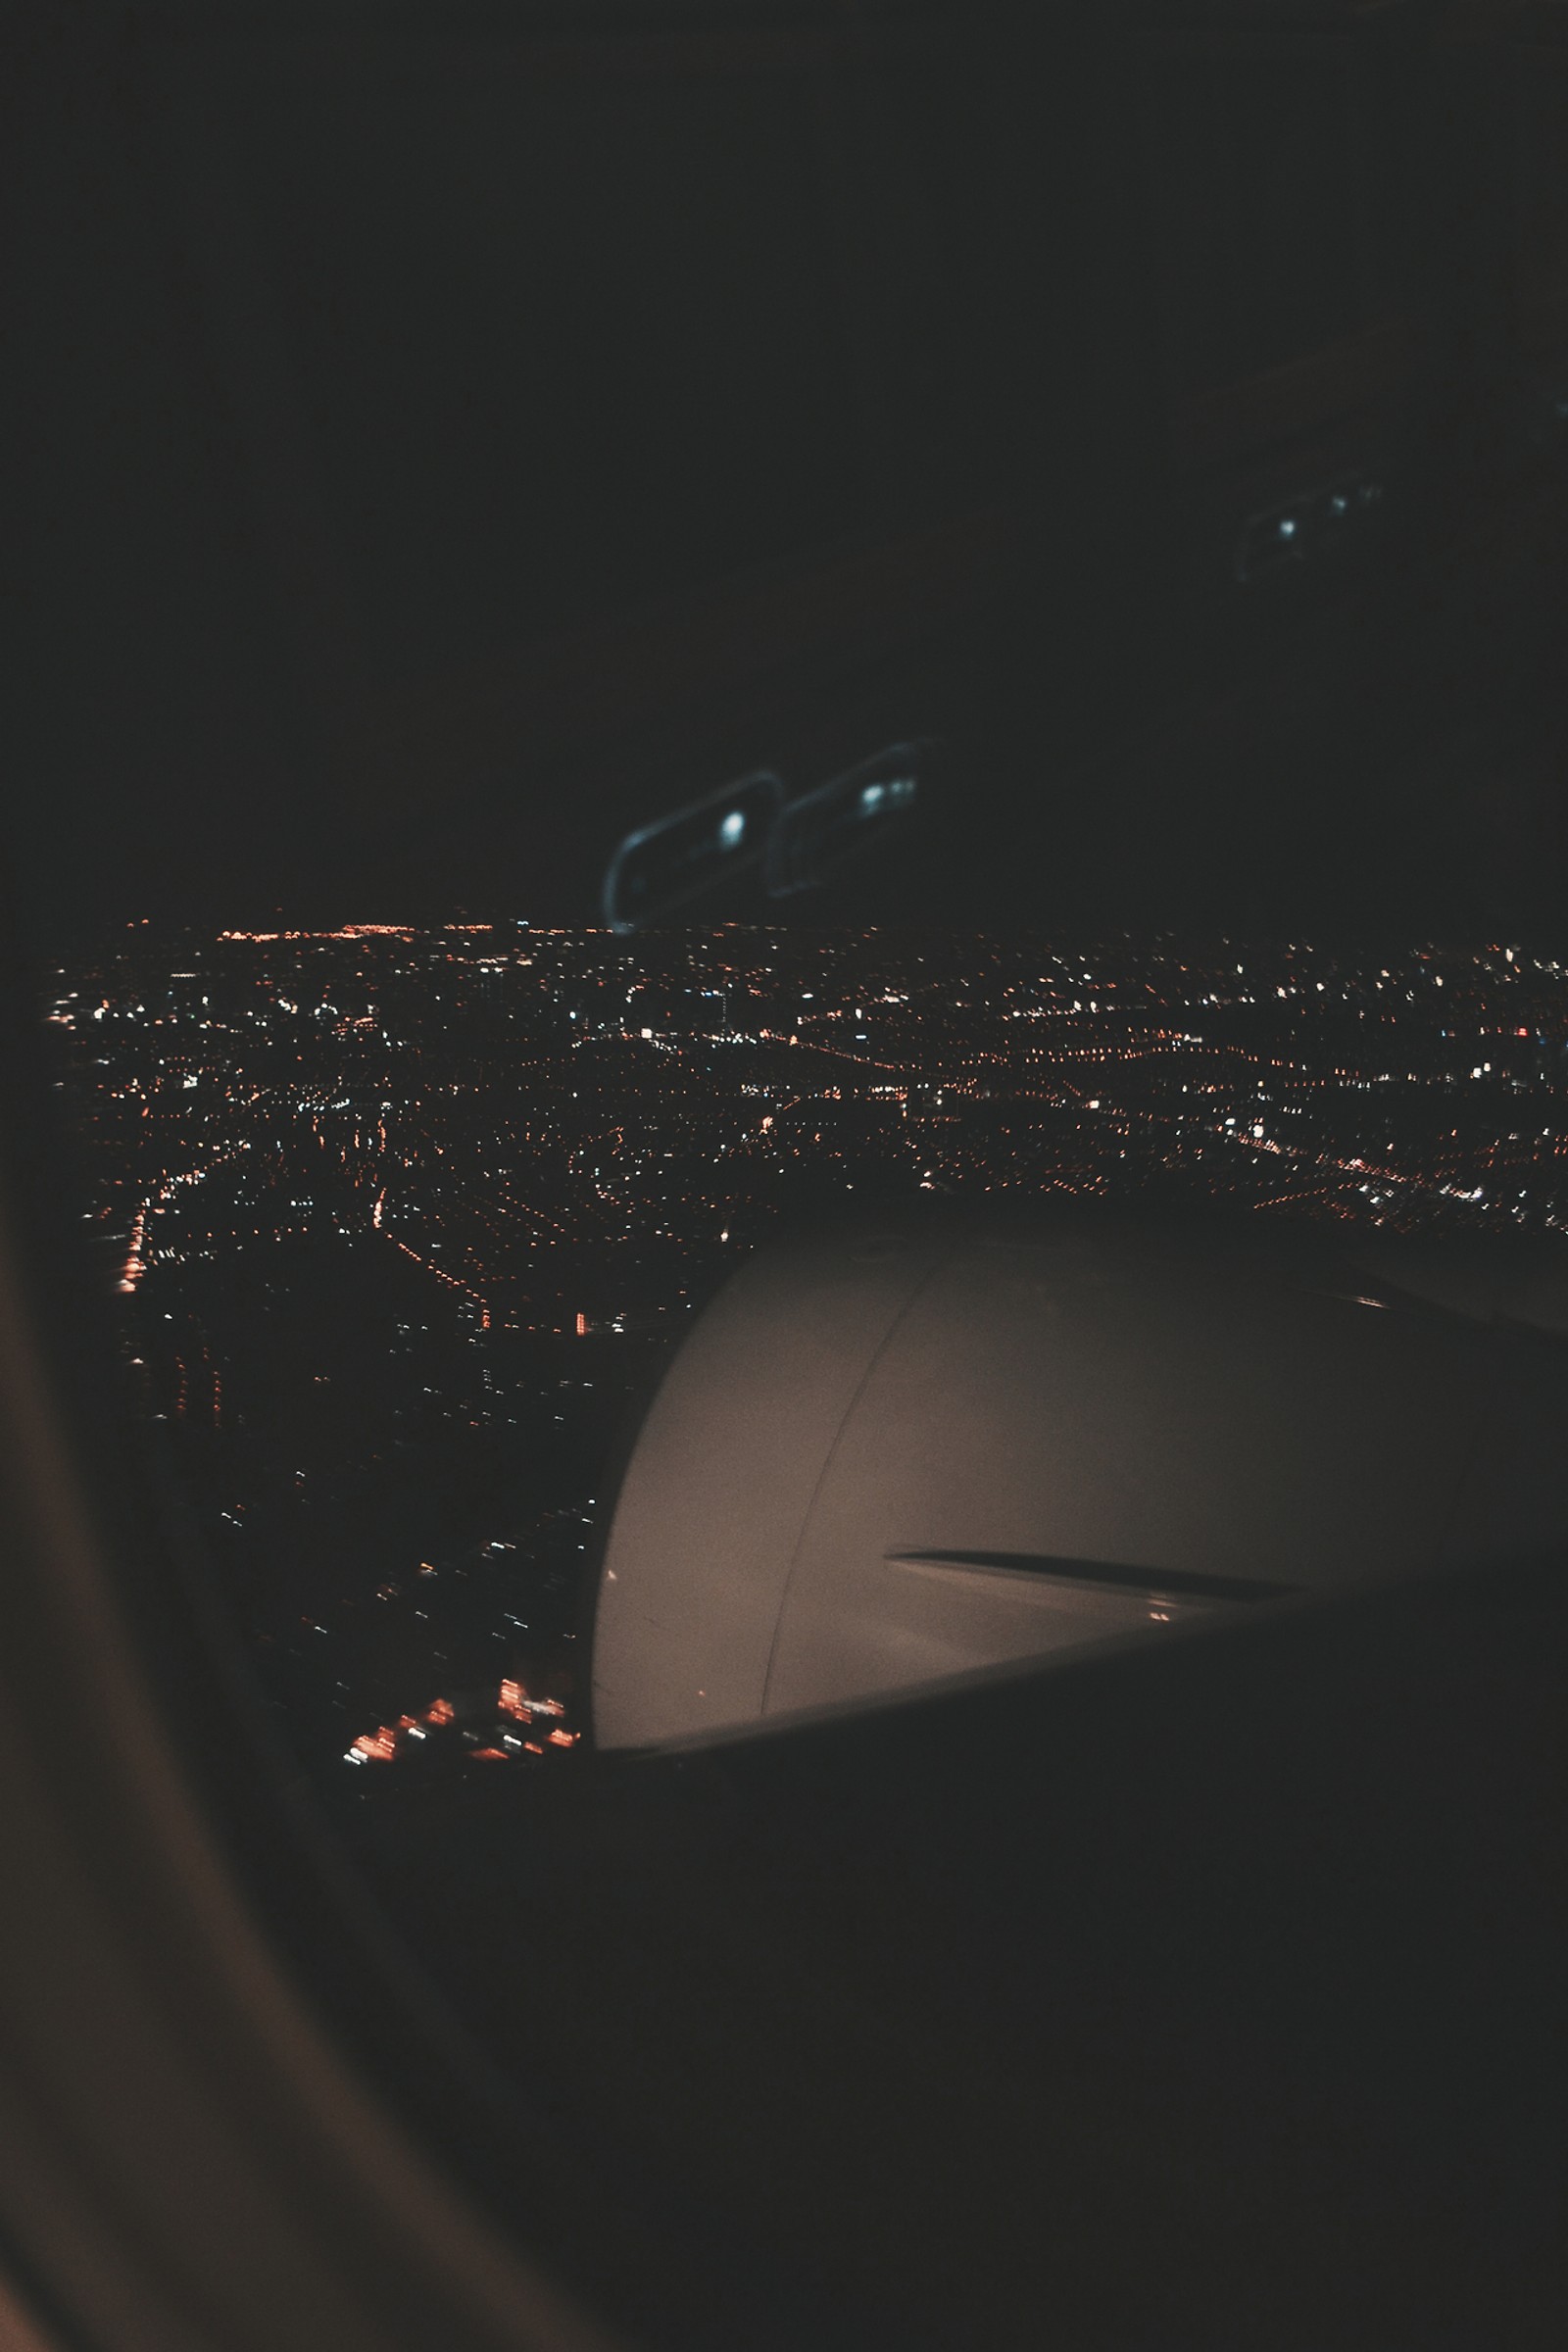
(451,443)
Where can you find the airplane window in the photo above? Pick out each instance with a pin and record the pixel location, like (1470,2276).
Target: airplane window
(787,897)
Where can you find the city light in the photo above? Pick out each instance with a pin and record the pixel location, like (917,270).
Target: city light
(401,1221)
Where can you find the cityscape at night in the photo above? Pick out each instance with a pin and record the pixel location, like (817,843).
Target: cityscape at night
(403,1223)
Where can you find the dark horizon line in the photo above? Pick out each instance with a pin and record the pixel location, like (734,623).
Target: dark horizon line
(281,928)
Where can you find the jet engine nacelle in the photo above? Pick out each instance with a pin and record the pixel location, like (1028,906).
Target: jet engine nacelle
(903,1453)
